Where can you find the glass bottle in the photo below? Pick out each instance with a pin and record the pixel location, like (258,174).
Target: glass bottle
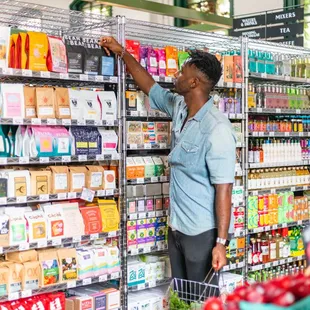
(265,250)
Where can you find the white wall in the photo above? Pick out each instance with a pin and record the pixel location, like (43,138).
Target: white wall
(242,7)
(155,18)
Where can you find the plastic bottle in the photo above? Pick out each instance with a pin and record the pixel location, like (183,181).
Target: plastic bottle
(272,248)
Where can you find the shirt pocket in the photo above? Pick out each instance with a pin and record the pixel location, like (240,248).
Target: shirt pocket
(189,153)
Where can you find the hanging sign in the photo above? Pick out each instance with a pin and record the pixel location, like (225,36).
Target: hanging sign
(253,34)
(290,41)
(285,30)
(250,21)
(285,16)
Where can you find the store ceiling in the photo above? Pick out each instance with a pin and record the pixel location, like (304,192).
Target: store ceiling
(167,10)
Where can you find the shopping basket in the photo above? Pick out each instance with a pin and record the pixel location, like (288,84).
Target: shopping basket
(190,295)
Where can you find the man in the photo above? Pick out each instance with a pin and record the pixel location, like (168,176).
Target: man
(202,162)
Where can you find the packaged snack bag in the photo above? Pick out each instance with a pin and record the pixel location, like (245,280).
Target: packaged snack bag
(19,183)
(31,275)
(183,56)
(62,103)
(108,104)
(91,105)
(12,104)
(152,62)
(60,179)
(49,267)
(143,57)
(93,56)
(77,177)
(36,225)
(92,219)
(55,221)
(45,101)
(74,224)
(75,54)
(171,60)
(4,279)
(161,55)
(57,56)
(21,60)
(36,47)
(13,51)
(94,177)
(67,264)
(133,47)
(76,104)
(15,277)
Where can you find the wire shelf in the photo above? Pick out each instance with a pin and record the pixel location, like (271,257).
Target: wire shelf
(161,35)
(55,21)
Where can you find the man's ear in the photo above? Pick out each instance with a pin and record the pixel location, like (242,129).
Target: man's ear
(194,82)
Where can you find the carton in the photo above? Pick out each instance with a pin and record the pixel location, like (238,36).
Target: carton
(149,167)
(132,235)
(109,179)
(131,206)
(83,303)
(237,69)
(131,100)
(130,168)
(99,301)
(149,205)
(132,273)
(159,166)
(141,232)
(113,298)
(150,232)
(228,68)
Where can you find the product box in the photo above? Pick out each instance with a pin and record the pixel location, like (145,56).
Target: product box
(99,301)
(149,167)
(141,232)
(83,303)
(132,272)
(237,69)
(159,166)
(130,168)
(149,205)
(131,100)
(139,167)
(132,241)
(153,189)
(150,232)
(113,298)
(141,205)
(131,206)
(228,68)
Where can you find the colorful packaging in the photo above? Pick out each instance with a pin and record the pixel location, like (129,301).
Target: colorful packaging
(100,261)
(80,140)
(92,219)
(113,259)
(141,232)
(75,54)
(36,225)
(45,102)
(67,264)
(57,56)
(55,221)
(152,62)
(77,178)
(30,102)
(12,104)
(109,215)
(161,56)
(109,179)
(12,63)
(49,267)
(93,56)
(228,68)
(4,46)
(85,262)
(171,60)
(21,60)
(107,64)
(131,100)
(62,103)
(183,56)
(237,73)
(76,104)
(143,57)
(133,48)
(132,239)
(36,47)
(109,140)
(17,227)
(60,179)
(94,141)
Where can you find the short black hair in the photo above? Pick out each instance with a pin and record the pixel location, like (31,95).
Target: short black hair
(206,63)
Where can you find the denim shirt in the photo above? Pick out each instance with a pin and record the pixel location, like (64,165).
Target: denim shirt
(202,154)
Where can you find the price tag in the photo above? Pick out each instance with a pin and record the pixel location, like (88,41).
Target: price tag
(66,122)
(13,296)
(45,74)
(26,72)
(21,199)
(23,160)
(24,247)
(94,236)
(110,122)
(290,259)
(62,196)
(99,78)
(152,214)
(140,180)
(44,197)
(305,187)
(81,122)
(162,145)
(71,284)
(77,239)
(101,193)
(168,79)
(26,294)
(267,265)
(98,122)
(147,249)
(261,134)
(64,76)
(134,252)
(298,111)
(107,156)
(259,110)
(154,179)
(274,226)
(82,157)
(278,110)
(56,242)
(18,121)
(273,191)
(299,222)
(114,275)
(301,134)
(87,194)
(300,257)
(36,121)
(103,278)
(287,78)
(264,75)
(51,121)
(44,160)
(83,77)
(3,160)
(142,215)
(284,225)
(293,188)
(156,78)
(72,195)
(3,201)
(66,159)
(109,192)
(113,79)
(100,157)
(42,244)
(159,213)
(8,71)
(271,134)
(87,281)
(147,146)
(112,234)
(152,283)
(133,216)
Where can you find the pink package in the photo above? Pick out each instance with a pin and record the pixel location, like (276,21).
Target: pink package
(152,64)
(143,56)
(161,56)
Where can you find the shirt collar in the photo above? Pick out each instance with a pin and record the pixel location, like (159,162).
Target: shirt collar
(203,110)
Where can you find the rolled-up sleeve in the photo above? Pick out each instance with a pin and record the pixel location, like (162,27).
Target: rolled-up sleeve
(162,99)
(221,155)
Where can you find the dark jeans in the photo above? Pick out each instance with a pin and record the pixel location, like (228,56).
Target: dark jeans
(191,259)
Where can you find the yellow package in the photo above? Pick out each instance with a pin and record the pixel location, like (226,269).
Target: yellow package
(36,49)
(171,60)
(109,215)
(13,50)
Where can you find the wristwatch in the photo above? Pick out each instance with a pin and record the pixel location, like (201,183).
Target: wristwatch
(222,241)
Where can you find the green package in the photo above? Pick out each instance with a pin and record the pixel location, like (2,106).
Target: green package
(183,56)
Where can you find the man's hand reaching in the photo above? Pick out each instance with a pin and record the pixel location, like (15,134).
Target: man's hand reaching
(110,44)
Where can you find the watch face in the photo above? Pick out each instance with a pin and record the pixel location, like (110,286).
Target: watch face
(227,243)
